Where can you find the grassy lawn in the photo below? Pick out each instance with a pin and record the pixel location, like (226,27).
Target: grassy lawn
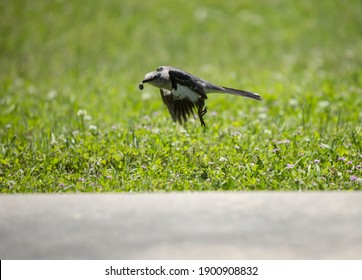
(72,118)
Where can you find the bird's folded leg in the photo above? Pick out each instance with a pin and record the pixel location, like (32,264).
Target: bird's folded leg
(201,112)
(204,111)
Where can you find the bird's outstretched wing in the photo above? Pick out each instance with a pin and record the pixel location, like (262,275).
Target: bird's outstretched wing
(180,109)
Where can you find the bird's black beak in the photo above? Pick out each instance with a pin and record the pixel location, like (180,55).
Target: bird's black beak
(148,78)
(144,81)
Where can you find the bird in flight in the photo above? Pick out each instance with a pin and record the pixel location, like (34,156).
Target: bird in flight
(184,93)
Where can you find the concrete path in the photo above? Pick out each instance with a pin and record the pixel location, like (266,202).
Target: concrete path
(233,225)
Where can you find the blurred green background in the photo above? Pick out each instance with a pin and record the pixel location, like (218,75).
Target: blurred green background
(59,57)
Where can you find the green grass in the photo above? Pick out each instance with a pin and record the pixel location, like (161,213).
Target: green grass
(72,118)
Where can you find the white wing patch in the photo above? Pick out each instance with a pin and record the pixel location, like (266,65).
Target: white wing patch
(183,92)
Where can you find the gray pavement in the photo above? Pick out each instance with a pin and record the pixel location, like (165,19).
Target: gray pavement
(218,225)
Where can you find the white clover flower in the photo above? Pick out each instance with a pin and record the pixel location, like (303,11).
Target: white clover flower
(146,96)
(53,140)
(87,118)
(323,104)
(82,112)
(293,102)
(223,159)
(52,94)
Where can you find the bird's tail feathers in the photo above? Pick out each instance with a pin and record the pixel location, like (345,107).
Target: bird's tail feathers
(245,93)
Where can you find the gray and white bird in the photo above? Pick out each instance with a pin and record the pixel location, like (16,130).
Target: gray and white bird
(184,93)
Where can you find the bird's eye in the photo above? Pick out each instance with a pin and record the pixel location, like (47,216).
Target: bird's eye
(159,69)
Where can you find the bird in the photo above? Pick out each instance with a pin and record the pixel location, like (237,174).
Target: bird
(184,94)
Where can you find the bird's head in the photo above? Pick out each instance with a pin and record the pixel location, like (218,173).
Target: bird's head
(158,78)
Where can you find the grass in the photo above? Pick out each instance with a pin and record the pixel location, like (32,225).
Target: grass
(73,120)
